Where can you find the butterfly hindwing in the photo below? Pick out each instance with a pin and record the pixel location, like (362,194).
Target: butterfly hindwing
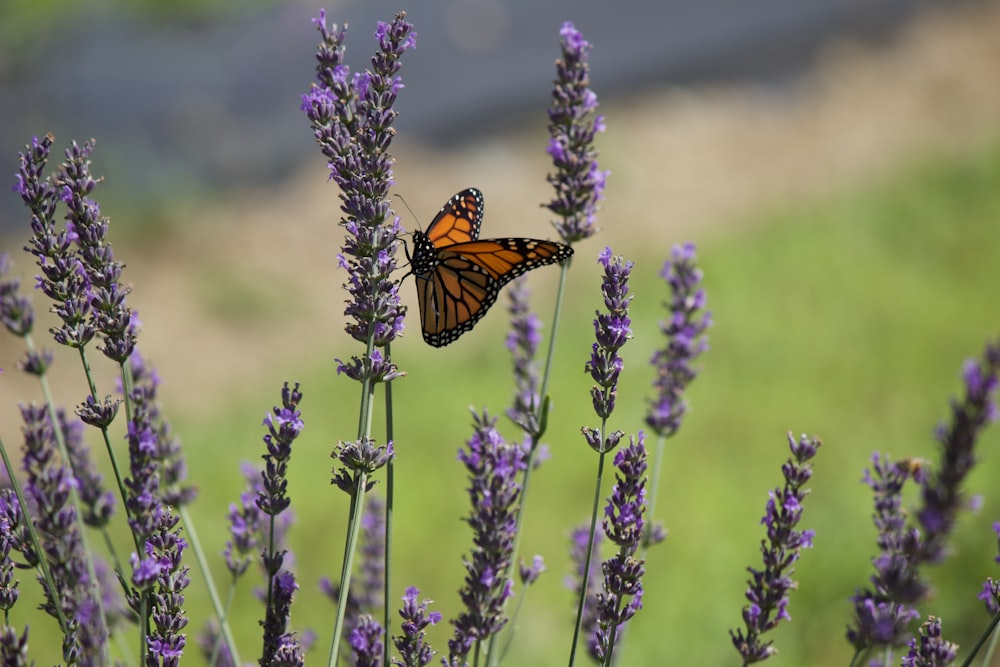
(459,276)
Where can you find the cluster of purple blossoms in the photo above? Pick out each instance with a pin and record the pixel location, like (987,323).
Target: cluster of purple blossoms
(613,329)
(882,614)
(941,493)
(75,600)
(930,649)
(990,594)
(111,317)
(281,647)
(768,588)
(414,651)
(685,341)
(352,118)
(578,181)
(63,278)
(16,313)
(621,597)
(98,504)
(522,342)
(493,466)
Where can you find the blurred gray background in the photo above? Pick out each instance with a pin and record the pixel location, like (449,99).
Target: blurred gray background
(186,97)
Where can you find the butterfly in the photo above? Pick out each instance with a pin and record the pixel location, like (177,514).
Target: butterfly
(459,276)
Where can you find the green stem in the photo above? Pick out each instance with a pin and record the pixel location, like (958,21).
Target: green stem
(585,579)
(230,596)
(213,593)
(982,639)
(389,493)
(357,509)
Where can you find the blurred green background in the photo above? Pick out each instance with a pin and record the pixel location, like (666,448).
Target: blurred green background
(846,293)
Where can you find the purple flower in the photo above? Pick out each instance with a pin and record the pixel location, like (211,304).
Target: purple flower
(522,342)
(768,589)
(588,581)
(97,502)
(49,485)
(167,453)
(283,425)
(613,330)
(110,316)
(414,651)
(685,341)
(166,642)
(352,119)
(14,649)
(361,456)
(63,278)
(621,596)
(16,312)
(280,646)
(942,496)
(990,594)
(930,649)
(493,465)
(366,642)
(578,182)
(9,590)
(247,525)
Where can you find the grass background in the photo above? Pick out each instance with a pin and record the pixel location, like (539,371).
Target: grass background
(848,318)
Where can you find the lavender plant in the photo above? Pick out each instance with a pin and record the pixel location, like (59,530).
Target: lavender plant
(44,520)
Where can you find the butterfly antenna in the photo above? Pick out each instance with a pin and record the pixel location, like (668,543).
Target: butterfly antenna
(412,214)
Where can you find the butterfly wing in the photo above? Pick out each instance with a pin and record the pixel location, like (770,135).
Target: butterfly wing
(467,278)
(459,219)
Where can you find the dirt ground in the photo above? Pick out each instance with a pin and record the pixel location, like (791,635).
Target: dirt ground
(250,283)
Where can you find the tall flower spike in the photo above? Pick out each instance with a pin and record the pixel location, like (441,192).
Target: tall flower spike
(111,317)
(930,649)
(63,279)
(16,313)
(613,329)
(578,181)
(621,597)
(352,121)
(768,589)
(49,485)
(883,613)
(942,496)
(522,342)
(685,341)
(493,467)
(414,651)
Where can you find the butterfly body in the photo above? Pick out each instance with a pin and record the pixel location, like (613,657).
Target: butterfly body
(459,275)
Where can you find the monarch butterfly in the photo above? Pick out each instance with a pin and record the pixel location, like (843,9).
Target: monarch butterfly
(459,276)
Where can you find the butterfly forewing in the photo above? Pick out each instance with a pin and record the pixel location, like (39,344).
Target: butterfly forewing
(458,276)
(459,219)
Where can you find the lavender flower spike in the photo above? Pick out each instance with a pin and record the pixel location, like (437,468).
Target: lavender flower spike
(352,121)
(578,182)
(882,614)
(579,556)
(942,494)
(613,329)
(522,342)
(768,588)
(493,466)
(623,525)
(414,651)
(16,313)
(685,341)
(990,594)
(107,294)
(930,649)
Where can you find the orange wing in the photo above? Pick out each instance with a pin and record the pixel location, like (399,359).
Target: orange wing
(458,276)
(459,219)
